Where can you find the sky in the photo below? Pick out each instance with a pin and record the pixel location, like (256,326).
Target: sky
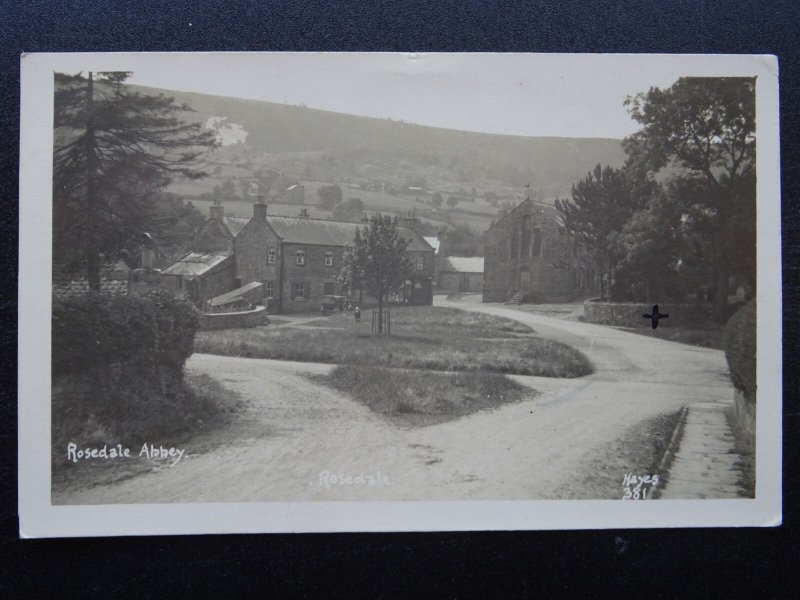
(517,94)
(563,95)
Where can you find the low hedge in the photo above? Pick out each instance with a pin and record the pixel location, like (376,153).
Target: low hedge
(94,330)
(739,340)
(118,370)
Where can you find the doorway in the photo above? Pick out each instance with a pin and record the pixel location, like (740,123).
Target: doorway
(524,279)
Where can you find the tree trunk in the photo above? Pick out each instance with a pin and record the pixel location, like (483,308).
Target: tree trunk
(380,312)
(92,252)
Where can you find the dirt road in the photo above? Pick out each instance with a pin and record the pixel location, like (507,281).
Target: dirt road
(296,439)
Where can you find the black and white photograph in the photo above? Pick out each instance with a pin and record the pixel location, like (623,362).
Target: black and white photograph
(358,292)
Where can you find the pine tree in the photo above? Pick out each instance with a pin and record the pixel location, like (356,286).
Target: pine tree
(601,204)
(115,151)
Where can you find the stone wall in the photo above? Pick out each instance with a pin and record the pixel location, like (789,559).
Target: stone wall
(252,247)
(235,320)
(629,314)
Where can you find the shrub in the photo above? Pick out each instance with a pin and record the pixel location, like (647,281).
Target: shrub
(93,330)
(118,368)
(740,349)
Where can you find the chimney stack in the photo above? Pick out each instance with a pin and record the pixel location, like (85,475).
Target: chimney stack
(260,209)
(216,210)
(148,254)
(304,213)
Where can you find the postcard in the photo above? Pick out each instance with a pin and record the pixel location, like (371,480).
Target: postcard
(321,292)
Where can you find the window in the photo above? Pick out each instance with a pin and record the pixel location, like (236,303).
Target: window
(526,236)
(537,242)
(328,288)
(329,259)
(271,256)
(301,257)
(420,263)
(515,242)
(298,291)
(270,292)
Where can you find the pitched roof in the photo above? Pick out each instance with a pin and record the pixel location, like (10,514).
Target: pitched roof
(548,210)
(418,243)
(197,263)
(320,232)
(304,230)
(235,224)
(462,264)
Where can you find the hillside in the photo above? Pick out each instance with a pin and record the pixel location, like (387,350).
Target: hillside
(327,146)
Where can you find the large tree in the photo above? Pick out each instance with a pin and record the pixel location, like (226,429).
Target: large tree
(602,202)
(115,151)
(703,130)
(380,258)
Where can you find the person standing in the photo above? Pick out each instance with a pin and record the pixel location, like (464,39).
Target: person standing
(357,313)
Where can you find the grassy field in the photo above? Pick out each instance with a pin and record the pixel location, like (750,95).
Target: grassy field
(422,338)
(424,398)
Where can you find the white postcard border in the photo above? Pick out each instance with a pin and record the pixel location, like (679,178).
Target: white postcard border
(38,518)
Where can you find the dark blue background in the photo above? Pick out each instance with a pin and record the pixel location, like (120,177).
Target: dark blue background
(648,563)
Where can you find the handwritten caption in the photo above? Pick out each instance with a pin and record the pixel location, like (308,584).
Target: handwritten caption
(106,452)
(328,480)
(638,487)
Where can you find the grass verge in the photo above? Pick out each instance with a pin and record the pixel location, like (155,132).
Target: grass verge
(422,338)
(639,451)
(204,405)
(414,398)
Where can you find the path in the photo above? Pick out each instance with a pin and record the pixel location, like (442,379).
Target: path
(295,430)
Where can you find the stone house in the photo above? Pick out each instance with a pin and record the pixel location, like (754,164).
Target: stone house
(530,257)
(297,259)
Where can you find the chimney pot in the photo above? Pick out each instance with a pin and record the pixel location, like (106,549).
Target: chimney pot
(216,210)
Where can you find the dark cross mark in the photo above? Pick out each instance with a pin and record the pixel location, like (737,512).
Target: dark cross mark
(655,316)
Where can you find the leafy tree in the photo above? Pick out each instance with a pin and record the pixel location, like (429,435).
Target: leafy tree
(380,255)
(115,150)
(462,240)
(652,245)
(704,128)
(350,210)
(329,196)
(452,201)
(350,276)
(436,199)
(601,204)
